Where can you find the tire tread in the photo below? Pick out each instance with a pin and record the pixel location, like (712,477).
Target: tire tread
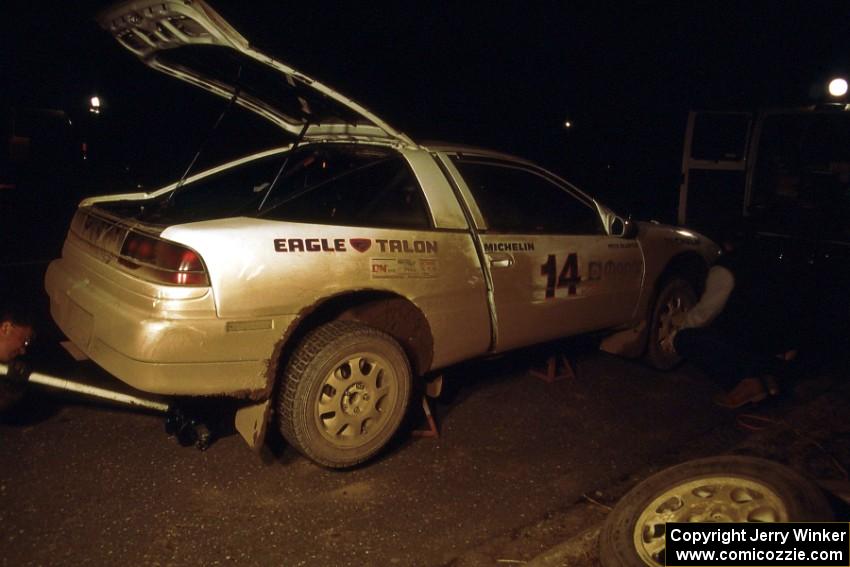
(291,393)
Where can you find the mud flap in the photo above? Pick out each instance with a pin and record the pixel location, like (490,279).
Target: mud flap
(252,422)
(628,343)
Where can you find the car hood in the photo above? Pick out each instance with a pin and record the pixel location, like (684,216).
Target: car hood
(652,233)
(189,40)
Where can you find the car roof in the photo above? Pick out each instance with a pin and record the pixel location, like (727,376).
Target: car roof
(452,148)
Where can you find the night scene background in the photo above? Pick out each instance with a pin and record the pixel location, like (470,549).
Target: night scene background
(506,76)
(85,483)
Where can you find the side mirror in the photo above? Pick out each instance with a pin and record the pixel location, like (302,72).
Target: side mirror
(616,225)
(624,228)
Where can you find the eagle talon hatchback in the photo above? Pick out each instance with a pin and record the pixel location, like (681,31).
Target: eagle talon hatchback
(318,281)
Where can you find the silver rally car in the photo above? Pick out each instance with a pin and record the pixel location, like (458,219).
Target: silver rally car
(319,281)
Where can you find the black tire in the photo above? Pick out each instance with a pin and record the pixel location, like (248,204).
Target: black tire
(754,490)
(675,294)
(344,394)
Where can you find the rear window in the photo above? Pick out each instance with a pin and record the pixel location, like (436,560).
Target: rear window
(350,187)
(323,184)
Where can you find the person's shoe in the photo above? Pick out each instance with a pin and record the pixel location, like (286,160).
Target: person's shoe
(747,391)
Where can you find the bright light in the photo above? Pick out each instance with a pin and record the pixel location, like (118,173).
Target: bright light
(568,124)
(94,104)
(838,87)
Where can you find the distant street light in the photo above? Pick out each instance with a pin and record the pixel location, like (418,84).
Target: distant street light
(568,124)
(94,105)
(838,87)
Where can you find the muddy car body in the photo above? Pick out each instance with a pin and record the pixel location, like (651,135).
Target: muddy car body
(318,281)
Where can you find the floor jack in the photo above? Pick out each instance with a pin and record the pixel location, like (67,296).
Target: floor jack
(188,431)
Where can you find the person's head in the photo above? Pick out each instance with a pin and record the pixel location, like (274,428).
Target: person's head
(16,332)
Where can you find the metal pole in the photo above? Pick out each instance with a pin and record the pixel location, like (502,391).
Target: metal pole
(93,391)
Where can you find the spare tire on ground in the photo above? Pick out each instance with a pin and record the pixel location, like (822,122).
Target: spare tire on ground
(716,489)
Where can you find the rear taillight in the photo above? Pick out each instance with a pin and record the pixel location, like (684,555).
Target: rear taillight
(162,261)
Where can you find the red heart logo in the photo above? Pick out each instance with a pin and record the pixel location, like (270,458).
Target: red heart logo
(361,244)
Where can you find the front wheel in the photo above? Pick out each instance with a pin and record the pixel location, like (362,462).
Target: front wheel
(675,296)
(344,394)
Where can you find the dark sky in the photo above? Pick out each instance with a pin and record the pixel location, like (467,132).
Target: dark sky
(504,76)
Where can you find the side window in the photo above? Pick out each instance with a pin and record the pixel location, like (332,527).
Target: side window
(351,188)
(518,200)
(804,163)
(777,177)
(231,192)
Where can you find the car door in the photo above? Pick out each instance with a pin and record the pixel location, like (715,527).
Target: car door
(554,269)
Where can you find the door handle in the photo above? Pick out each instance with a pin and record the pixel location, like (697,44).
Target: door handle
(501,260)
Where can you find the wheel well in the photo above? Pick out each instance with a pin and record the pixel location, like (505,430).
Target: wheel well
(402,320)
(387,312)
(689,266)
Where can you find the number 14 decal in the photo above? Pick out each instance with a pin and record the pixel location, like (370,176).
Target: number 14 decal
(569,276)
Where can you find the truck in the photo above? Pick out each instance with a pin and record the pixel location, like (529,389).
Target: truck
(783,174)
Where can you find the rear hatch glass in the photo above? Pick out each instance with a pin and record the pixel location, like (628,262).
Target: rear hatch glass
(326,184)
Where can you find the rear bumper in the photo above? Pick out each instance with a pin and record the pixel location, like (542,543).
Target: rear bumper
(160,339)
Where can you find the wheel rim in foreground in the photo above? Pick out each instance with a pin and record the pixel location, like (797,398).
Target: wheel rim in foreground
(709,499)
(356,400)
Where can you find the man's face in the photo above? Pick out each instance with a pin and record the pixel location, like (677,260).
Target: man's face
(14,340)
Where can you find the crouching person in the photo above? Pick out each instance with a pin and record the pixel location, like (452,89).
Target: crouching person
(725,334)
(16,333)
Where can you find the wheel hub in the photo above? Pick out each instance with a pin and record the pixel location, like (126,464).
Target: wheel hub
(356,399)
(350,408)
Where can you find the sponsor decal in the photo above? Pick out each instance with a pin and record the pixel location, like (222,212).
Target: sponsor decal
(686,240)
(429,266)
(598,270)
(508,247)
(361,245)
(309,245)
(403,268)
(408,246)
(594,271)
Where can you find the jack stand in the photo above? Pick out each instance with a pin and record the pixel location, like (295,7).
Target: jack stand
(557,368)
(432,430)
(433,388)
